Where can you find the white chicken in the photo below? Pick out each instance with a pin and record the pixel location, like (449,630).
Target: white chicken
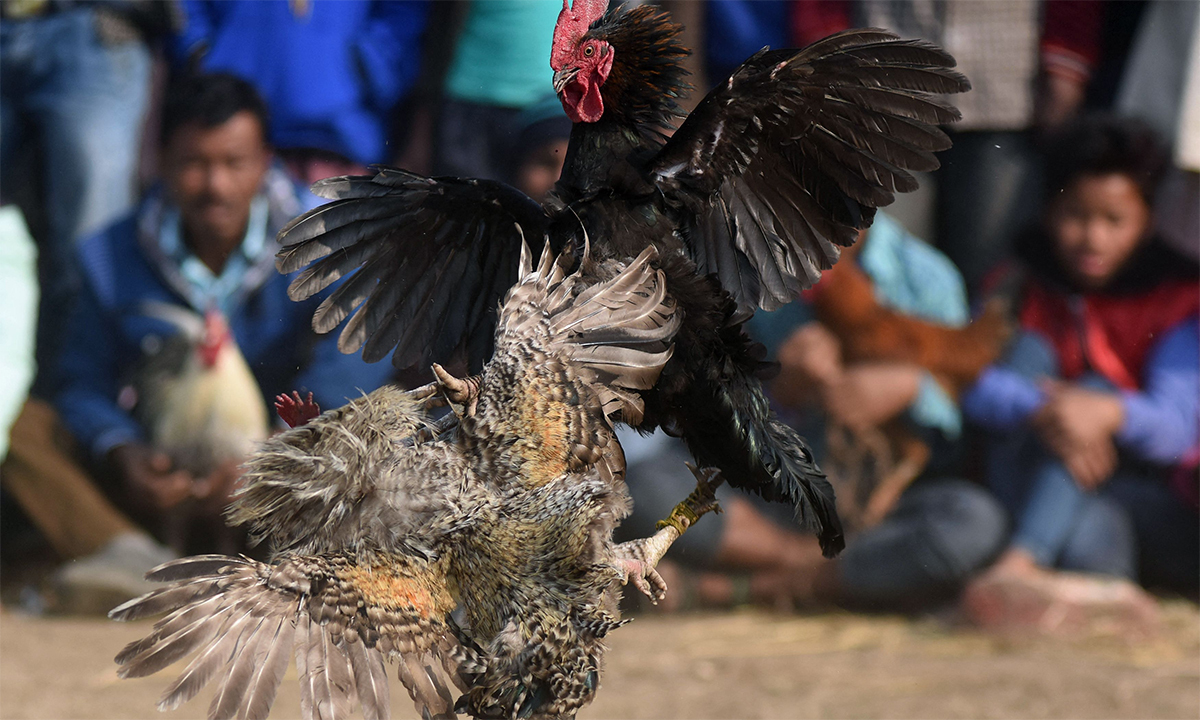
(196,396)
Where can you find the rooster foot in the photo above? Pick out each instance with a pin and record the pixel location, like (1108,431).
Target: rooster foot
(296,411)
(636,560)
(643,576)
(461,394)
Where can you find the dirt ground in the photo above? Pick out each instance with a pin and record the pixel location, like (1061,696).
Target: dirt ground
(744,664)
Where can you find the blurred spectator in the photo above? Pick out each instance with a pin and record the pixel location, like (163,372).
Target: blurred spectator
(18,282)
(1097,403)
(1029,65)
(201,244)
(1161,86)
(882,366)
(500,66)
(332,72)
(540,148)
(74,88)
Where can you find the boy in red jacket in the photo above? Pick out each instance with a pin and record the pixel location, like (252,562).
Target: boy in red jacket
(1098,401)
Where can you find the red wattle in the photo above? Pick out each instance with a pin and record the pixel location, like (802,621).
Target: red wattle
(581,100)
(592,106)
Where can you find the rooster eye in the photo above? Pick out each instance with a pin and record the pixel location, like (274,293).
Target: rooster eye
(589,51)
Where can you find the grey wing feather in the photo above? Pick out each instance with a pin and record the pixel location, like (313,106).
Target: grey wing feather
(243,619)
(572,353)
(370,675)
(268,671)
(351,475)
(616,333)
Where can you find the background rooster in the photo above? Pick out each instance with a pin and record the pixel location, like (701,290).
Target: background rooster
(203,410)
(383,521)
(747,202)
(195,394)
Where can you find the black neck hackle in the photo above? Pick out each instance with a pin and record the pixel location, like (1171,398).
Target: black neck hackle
(647,79)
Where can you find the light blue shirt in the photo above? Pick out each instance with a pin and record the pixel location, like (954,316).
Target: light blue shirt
(503,53)
(914,278)
(208,290)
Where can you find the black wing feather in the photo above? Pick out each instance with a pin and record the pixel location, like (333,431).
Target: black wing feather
(789,158)
(424,261)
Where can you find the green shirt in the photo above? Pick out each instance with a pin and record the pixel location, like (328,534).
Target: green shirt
(503,54)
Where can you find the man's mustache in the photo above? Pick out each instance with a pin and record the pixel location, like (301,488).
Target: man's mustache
(207,201)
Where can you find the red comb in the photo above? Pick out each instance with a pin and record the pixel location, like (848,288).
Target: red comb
(572,23)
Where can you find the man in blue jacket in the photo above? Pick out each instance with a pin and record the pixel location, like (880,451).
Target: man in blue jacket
(203,241)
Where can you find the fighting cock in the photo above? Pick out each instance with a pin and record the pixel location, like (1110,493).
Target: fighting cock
(383,521)
(746,202)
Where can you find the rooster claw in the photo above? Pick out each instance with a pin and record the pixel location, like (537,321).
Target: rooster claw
(461,394)
(294,410)
(644,577)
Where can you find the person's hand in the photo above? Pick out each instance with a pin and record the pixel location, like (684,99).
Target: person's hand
(869,394)
(1079,425)
(149,476)
(1090,466)
(215,490)
(810,360)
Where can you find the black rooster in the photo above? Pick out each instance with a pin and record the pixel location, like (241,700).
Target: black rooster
(746,202)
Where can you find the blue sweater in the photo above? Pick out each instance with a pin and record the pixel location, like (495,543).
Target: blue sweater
(331,72)
(123,266)
(1162,418)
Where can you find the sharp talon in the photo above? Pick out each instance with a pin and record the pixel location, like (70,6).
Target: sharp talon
(456,390)
(424,391)
(657,584)
(704,499)
(430,395)
(643,577)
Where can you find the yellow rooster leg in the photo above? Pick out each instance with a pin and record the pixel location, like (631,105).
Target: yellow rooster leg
(637,559)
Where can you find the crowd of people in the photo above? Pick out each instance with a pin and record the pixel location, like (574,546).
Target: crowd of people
(1009,408)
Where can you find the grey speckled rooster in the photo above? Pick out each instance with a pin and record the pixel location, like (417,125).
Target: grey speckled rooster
(384,521)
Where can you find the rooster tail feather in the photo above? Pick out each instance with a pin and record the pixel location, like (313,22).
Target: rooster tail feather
(731,426)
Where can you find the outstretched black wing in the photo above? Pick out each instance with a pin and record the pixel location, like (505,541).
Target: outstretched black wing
(428,261)
(790,157)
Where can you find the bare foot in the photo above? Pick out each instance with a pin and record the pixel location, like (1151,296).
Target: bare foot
(1016,595)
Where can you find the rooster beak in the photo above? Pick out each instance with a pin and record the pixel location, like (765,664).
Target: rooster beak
(564,76)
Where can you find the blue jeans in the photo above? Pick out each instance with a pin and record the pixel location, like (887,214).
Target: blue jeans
(940,533)
(1132,527)
(83,102)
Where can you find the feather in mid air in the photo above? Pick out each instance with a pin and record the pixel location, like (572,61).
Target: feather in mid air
(383,521)
(746,202)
